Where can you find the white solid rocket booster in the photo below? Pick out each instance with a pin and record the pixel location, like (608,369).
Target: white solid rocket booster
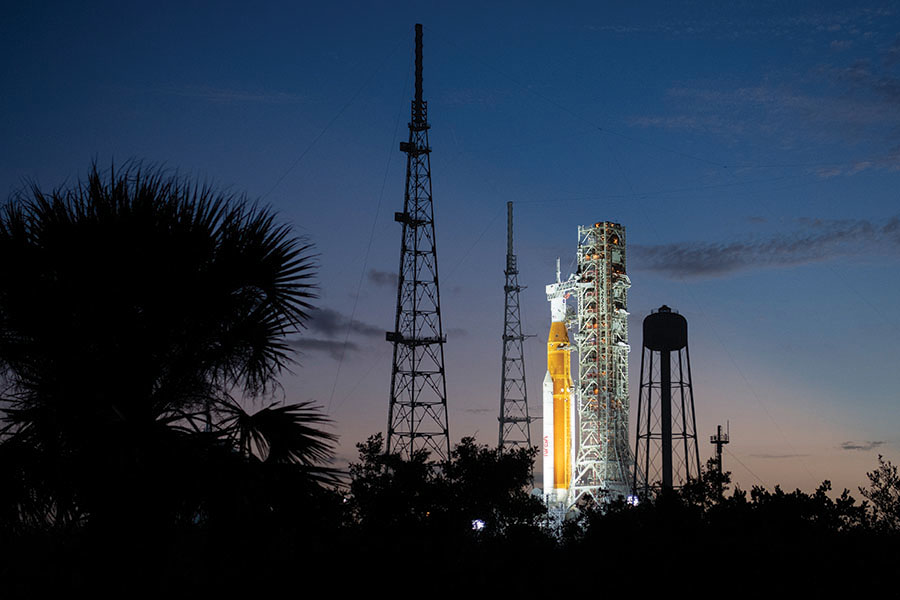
(548,436)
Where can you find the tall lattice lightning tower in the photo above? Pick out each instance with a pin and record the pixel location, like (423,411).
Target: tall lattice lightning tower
(515,424)
(417,416)
(603,460)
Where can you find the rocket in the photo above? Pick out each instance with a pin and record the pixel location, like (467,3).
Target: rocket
(557,406)
(548,446)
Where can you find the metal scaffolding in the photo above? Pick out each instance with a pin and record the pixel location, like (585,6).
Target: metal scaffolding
(603,460)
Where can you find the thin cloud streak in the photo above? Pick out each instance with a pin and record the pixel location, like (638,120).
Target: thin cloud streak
(333,348)
(778,456)
(331,323)
(864,446)
(822,241)
(717,24)
(851,101)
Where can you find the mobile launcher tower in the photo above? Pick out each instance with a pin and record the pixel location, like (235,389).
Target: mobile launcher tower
(586,456)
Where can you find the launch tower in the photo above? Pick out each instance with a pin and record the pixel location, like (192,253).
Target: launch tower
(598,425)
(603,462)
(417,416)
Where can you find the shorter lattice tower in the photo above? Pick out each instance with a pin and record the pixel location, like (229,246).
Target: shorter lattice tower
(515,424)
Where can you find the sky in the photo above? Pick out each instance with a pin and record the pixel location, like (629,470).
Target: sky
(750,149)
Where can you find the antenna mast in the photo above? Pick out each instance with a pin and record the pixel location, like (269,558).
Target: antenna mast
(417,415)
(719,440)
(515,424)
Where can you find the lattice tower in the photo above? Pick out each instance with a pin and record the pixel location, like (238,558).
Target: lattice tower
(603,458)
(417,416)
(515,424)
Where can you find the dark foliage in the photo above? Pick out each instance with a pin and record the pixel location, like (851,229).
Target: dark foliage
(431,513)
(477,484)
(138,314)
(884,494)
(791,537)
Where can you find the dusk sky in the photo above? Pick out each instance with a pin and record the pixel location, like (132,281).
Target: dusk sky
(751,150)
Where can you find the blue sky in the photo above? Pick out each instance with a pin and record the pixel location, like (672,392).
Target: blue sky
(752,151)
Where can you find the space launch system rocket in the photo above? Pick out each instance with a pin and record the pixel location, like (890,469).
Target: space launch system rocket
(558,408)
(586,453)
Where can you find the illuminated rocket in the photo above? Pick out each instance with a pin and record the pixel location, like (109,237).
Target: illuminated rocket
(557,405)
(586,452)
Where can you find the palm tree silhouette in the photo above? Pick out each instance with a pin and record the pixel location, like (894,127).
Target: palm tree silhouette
(137,311)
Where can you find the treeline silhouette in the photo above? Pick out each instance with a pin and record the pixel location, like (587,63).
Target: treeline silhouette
(141,314)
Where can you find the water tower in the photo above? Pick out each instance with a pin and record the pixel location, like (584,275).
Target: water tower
(666,453)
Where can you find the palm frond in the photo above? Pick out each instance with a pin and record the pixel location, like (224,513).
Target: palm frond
(135,299)
(284,434)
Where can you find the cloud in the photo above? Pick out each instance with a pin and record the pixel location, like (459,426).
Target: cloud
(862,75)
(778,456)
(383,278)
(891,55)
(716,124)
(333,348)
(870,445)
(889,161)
(227,95)
(736,23)
(820,241)
(785,111)
(849,101)
(332,323)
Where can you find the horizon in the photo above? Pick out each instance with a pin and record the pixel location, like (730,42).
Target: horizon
(751,153)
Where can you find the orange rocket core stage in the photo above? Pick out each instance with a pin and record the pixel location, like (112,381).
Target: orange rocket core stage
(560,368)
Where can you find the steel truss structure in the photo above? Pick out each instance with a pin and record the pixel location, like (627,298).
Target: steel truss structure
(417,415)
(603,460)
(515,424)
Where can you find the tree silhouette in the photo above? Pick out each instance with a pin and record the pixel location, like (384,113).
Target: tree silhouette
(416,495)
(492,485)
(469,518)
(884,494)
(137,310)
